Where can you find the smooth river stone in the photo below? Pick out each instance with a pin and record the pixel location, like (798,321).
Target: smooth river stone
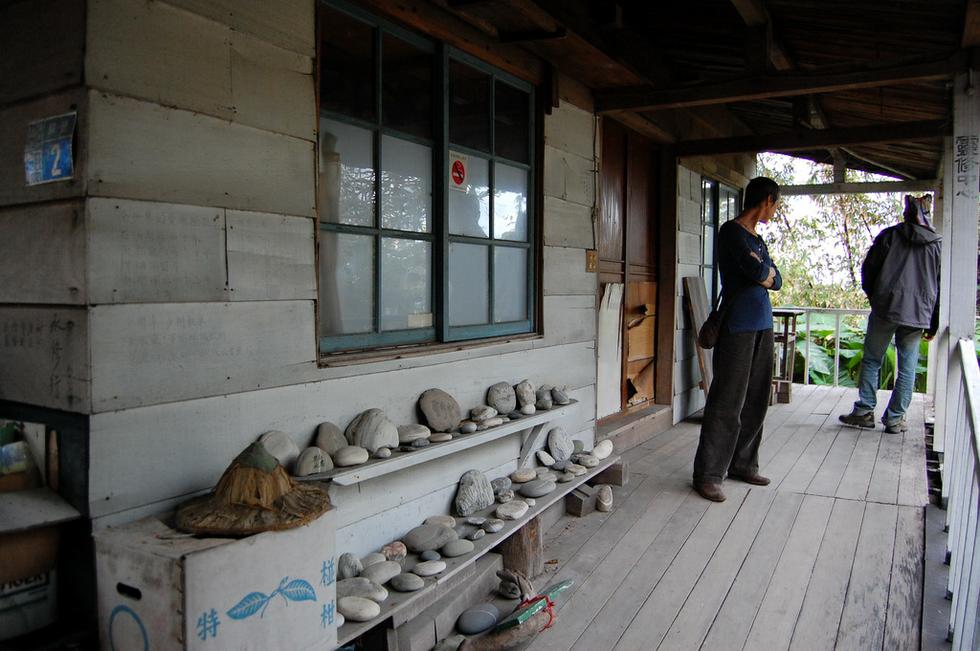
(429,568)
(358,609)
(371,430)
(516,415)
(529,410)
(544,458)
(361,587)
(559,466)
(441,437)
(544,473)
(537,488)
(505,496)
(512,510)
(560,444)
(502,397)
(477,619)
(407,582)
(587,460)
(382,453)
(395,551)
(500,484)
(445,520)
(544,404)
(530,501)
(312,460)
(522,475)
(543,396)
(476,520)
(430,555)
(525,393)
(419,443)
(441,411)
(476,535)
(350,455)
(282,447)
(456,548)
(576,469)
(603,449)
(604,498)
(409,433)
(490,422)
(348,566)
(339,619)
(482,413)
(467,427)
(372,559)
(381,573)
(560,396)
(492,525)
(329,438)
(566,477)
(578,446)
(428,536)
(474,493)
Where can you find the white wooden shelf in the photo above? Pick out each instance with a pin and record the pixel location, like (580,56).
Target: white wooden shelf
(532,427)
(35,507)
(398,601)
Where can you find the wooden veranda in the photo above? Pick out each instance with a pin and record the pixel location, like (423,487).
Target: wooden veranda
(830,555)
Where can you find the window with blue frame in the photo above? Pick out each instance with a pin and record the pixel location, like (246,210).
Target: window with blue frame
(425,190)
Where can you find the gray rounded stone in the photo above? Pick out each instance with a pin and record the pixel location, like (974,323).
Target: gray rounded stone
(525,394)
(587,460)
(537,488)
(475,520)
(350,455)
(446,520)
(348,566)
(566,477)
(428,536)
(576,469)
(529,410)
(371,430)
(547,474)
(544,458)
(467,427)
(530,501)
(282,447)
(329,438)
(407,582)
(492,525)
(512,510)
(502,397)
(522,475)
(477,619)
(516,415)
(382,453)
(474,493)
(578,446)
(604,498)
(543,394)
(372,559)
(312,460)
(419,443)
(358,609)
(409,433)
(382,572)
(363,587)
(559,466)
(395,551)
(490,422)
(505,496)
(476,535)
(430,555)
(429,568)
(603,449)
(560,444)
(441,437)
(455,548)
(482,413)
(560,396)
(441,411)
(500,484)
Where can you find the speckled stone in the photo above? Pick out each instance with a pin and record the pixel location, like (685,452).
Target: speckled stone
(477,619)
(522,475)
(407,582)
(505,496)
(512,510)
(429,568)
(474,493)
(482,413)
(525,393)
(492,525)
(537,488)
(360,586)
(587,460)
(500,484)
(381,573)
(501,396)
(430,555)
(560,444)
(457,548)
(395,551)
(348,566)
(441,411)
(358,609)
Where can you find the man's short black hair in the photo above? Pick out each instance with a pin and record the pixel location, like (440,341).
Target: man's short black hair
(758,190)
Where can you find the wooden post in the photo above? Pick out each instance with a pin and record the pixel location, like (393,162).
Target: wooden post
(524,550)
(939,349)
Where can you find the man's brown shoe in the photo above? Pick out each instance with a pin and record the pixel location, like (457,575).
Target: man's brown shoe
(755,478)
(710,491)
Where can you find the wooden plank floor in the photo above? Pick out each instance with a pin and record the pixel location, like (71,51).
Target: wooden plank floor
(829,556)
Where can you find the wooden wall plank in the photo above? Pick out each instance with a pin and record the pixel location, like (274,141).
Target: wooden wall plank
(44,253)
(202,436)
(142,252)
(568,224)
(688,248)
(571,129)
(569,176)
(290,24)
(564,272)
(29,71)
(45,356)
(568,319)
(13,134)
(151,353)
(195,159)
(270,257)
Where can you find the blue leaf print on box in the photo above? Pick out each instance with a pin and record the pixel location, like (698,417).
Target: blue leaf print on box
(299,590)
(257,602)
(248,606)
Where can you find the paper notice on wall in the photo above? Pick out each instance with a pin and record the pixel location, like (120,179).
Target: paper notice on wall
(458,168)
(47,150)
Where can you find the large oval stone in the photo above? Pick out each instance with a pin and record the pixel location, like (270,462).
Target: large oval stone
(406,582)
(604,498)
(440,409)
(512,510)
(363,587)
(311,461)
(329,438)
(477,619)
(282,447)
(603,449)
(351,455)
(502,397)
(560,444)
(382,572)
(409,433)
(537,488)
(429,568)
(457,547)
(358,609)
(522,475)
(428,536)
(525,393)
(492,525)
(371,430)
(587,460)
(560,395)
(474,493)
(482,413)
(348,566)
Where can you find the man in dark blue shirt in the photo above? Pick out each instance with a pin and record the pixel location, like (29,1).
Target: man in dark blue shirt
(738,398)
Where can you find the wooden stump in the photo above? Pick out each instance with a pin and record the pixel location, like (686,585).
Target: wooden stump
(581,501)
(523,551)
(618,474)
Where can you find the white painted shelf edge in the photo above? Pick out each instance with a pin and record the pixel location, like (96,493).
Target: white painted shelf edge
(26,509)
(401,460)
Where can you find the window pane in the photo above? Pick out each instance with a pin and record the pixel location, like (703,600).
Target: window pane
(469,195)
(346,174)
(468,291)
(346,65)
(511,122)
(406,87)
(406,284)
(509,284)
(469,107)
(723,215)
(509,203)
(406,185)
(708,273)
(709,244)
(346,283)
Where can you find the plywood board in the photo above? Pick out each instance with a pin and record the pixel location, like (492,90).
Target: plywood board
(35,507)
(143,252)
(564,272)
(696,302)
(567,224)
(639,342)
(150,353)
(43,259)
(142,150)
(288,23)
(45,356)
(270,257)
(24,70)
(641,298)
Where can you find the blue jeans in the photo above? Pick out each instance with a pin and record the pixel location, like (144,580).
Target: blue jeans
(876,340)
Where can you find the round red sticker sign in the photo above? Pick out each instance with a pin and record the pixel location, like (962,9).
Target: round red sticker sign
(459,172)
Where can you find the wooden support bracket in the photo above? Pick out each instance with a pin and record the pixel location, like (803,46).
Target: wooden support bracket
(524,550)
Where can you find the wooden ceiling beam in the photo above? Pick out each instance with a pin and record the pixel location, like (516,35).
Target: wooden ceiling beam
(971,24)
(755,15)
(874,187)
(766,87)
(814,138)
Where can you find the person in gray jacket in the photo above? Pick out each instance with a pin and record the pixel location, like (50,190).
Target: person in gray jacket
(900,276)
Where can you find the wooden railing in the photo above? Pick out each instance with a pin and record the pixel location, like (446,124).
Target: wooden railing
(962,474)
(838,314)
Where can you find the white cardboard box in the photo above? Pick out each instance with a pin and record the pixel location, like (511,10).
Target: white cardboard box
(28,604)
(159,589)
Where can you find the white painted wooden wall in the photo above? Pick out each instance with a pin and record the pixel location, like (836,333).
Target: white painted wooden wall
(688,396)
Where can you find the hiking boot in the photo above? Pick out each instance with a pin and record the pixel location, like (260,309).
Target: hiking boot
(866,421)
(897,427)
(710,490)
(754,478)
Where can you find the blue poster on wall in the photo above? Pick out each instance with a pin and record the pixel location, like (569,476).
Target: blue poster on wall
(47,151)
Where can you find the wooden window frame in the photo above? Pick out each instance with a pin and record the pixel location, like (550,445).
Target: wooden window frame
(441,332)
(713,220)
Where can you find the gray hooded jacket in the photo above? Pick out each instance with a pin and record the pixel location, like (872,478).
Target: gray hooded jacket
(900,275)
